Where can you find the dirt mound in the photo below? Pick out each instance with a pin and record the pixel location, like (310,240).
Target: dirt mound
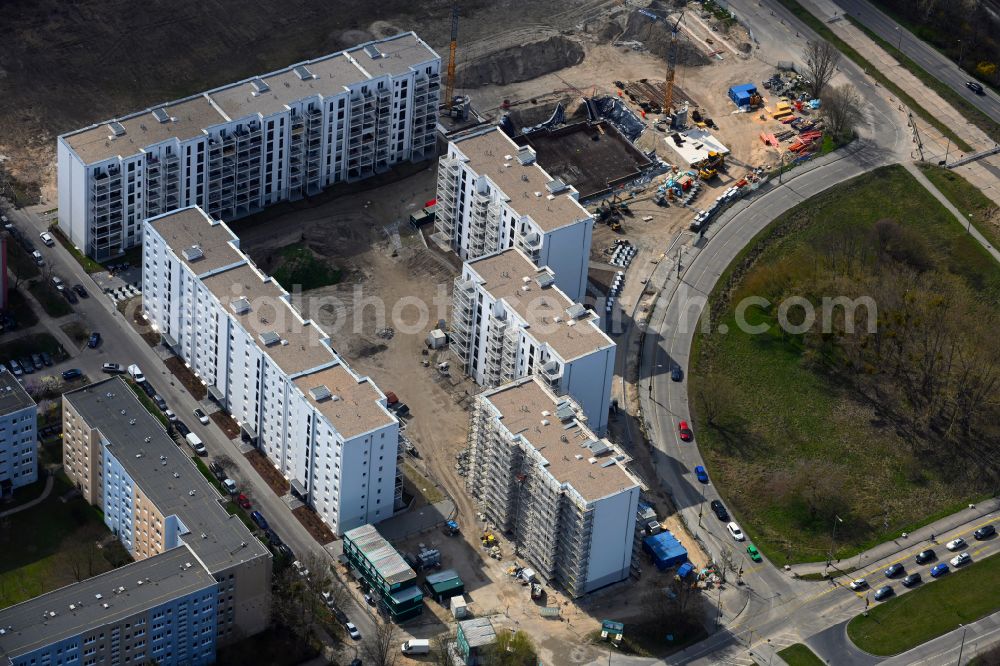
(350,38)
(655,35)
(520,63)
(529,116)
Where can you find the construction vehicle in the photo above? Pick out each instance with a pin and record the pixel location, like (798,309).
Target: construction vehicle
(488,540)
(709,167)
(451,528)
(537,591)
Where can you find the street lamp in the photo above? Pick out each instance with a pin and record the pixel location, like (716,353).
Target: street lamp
(968,228)
(833,539)
(961,52)
(899,42)
(961,648)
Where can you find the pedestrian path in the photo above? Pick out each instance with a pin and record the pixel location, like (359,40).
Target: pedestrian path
(959,215)
(49,482)
(964,520)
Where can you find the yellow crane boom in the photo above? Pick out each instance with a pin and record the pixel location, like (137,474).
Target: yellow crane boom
(450,87)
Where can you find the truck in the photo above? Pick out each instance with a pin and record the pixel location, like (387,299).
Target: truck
(196,444)
(417,646)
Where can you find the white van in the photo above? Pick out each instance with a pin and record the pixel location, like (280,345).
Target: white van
(417,646)
(196,444)
(136,374)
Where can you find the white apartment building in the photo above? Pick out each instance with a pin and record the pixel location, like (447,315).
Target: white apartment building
(326,429)
(491,196)
(510,320)
(247,145)
(542,476)
(18,435)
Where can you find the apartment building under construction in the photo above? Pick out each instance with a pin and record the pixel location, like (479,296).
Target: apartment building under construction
(242,147)
(564,495)
(510,320)
(492,196)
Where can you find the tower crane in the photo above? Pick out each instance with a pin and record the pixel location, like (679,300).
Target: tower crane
(668,85)
(450,87)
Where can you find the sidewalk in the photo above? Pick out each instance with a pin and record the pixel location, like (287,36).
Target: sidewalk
(965,518)
(49,482)
(935,146)
(962,219)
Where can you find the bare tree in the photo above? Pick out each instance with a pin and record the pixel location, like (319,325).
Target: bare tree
(381,649)
(726,562)
(842,111)
(439,650)
(293,604)
(822,59)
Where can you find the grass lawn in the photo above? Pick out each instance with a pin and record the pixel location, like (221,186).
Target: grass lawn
(935,608)
(54,303)
(23,312)
(967,109)
(47,546)
(88,264)
(421,484)
(789,428)
(20,262)
(650,639)
(31,344)
(147,402)
(77,332)
(275,646)
(967,198)
(299,265)
(800,655)
(826,33)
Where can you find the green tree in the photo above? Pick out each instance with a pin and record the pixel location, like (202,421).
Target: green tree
(512,648)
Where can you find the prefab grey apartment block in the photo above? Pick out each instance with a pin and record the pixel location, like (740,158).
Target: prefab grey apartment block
(242,147)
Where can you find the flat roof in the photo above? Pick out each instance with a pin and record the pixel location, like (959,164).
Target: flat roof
(352,404)
(478,631)
(394,55)
(13,397)
(697,144)
(494,154)
(188,119)
(331,76)
(389,564)
(528,409)
(192,116)
(503,275)
(48,619)
(300,347)
(191,227)
(165,473)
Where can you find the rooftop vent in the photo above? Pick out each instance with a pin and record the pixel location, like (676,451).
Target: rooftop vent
(598,447)
(269,338)
(98,596)
(608,463)
(240,306)
(526,155)
(259,86)
(556,186)
(545,280)
(106,605)
(576,311)
(193,253)
(117,129)
(161,115)
(319,393)
(372,51)
(565,411)
(303,73)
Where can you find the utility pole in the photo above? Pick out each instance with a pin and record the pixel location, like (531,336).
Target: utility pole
(899,42)
(961,648)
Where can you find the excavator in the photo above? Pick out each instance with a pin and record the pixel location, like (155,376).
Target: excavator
(709,167)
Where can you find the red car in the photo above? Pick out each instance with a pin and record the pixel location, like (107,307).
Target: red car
(685,431)
(243,501)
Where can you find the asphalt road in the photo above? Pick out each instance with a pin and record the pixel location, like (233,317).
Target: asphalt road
(925,55)
(122,344)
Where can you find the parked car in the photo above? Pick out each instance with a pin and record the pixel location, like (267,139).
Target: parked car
(720,510)
(939,569)
(15,367)
(975,87)
(955,544)
(911,580)
(37,256)
(216,468)
(925,556)
(984,532)
(677,374)
(36,359)
(113,369)
(46,359)
(202,416)
(136,374)
(859,584)
(300,569)
(27,364)
(243,501)
(58,283)
(684,432)
(148,389)
(258,518)
(754,553)
(70,296)
(81,292)
(701,474)
(893,570)
(160,402)
(95,341)
(72,373)
(47,239)
(230,486)
(169,413)
(353,631)
(959,560)
(182,428)
(883,592)
(735,532)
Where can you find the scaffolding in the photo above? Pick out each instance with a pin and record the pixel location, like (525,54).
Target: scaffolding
(463,321)
(448,184)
